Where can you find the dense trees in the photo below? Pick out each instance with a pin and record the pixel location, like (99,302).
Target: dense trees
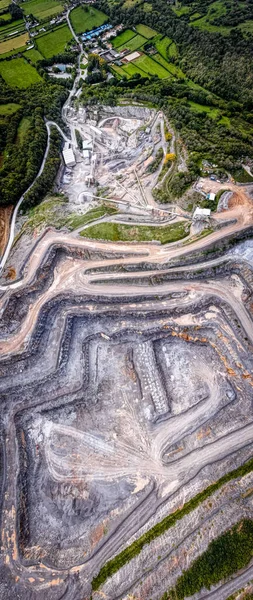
(224,556)
(23,154)
(45,182)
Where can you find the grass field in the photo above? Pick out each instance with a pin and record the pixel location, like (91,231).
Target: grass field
(125,233)
(8,109)
(119,71)
(6,17)
(86,18)
(151,67)
(4,4)
(136,42)
(212,112)
(13,52)
(166,47)
(183,10)
(147,32)
(16,26)
(215,10)
(53,43)
(123,37)
(13,43)
(42,9)
(131,69)
(23,129)
(33,55)
(18,73)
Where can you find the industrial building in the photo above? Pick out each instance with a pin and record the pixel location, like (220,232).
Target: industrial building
(201,214)
(68,155)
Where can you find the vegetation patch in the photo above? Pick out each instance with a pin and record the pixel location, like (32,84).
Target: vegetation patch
(8,109)
(84,18)
(140,233)
(224,556)
(33,55)
(18,73)
(53,43)
(23,129)
(113,565)
(123,38)
(14,43)
(150,66)
(136,42)
(41,9)
(241,176)
(75,221)
(146,31)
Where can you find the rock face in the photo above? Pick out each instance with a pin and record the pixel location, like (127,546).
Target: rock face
(123,395)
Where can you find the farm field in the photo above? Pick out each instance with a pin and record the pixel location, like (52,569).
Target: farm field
(8,109)
(13,43)
(146,31)
(86,18)
(13,52)
(4,4)
(18,73)
(151,67)
(131,69)
(123,37)
(136,42)
(166,47)
(119,71)
(42,9)
(173,69)
(16,26)
(52,43)
(33,55)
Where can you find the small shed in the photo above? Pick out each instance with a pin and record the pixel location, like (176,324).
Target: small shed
(211,196)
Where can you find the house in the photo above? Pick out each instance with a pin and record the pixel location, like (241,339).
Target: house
(211,196)
(201,214)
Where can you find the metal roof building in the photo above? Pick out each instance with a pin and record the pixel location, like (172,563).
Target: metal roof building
(68,156)
(201,213)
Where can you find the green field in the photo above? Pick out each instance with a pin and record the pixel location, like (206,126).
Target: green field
(183,10)
(166,47)
(16,26)
(131,69)
(85,18)
(120,71)
(212,112)
(4,4)
(147,32)
(13,43)
(23,129)
(8,109)
(151,67)
(5,17)
(215,10)
(33,55)
(18,73)
(136,42)
(41,9)
(53,43)
(116,232)
(122,38)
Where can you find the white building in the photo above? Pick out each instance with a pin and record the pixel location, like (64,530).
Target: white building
(211,196)
(68,155)
(201,213)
